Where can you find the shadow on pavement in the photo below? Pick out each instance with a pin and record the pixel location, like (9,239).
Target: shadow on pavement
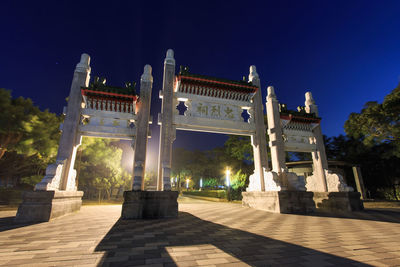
(138,242)
(379,215)
(7,223)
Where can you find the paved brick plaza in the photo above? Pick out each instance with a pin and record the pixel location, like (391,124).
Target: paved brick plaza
(207,234)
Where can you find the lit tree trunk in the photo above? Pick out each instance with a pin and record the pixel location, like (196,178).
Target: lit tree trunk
(179,183)
(78,171)
(2,151)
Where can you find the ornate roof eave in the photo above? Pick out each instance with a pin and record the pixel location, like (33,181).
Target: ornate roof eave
(85,91)
(302,118)
(244,87)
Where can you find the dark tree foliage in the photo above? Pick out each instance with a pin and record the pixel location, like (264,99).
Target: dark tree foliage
(211,165)
(378,169)
(378,124)
(28,139)
(373,142)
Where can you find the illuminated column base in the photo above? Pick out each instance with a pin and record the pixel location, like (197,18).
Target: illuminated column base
(280,201)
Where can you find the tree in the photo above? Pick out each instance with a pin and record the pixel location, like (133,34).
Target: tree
(100,167)
(378,123)
(18,168)
(41,136)
(379,171)
(373,142)
(238,180)
(239,147)
(15,117)
(180,159)
(28,139)
(26,129)
(150,178)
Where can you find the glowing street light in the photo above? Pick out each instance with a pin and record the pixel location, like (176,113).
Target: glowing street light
(228,177)
(201,183)
(187,183)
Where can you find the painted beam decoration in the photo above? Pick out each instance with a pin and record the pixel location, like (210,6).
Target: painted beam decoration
(108,111)
(297,128)
(195,102)
(213,104)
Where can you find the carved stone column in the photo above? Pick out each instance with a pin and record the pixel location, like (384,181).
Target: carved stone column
(56,194)
(166,129)
(275,134)
(258,139)
(61,175)
(140,204)
(70,138)
(320,162)
(142,128)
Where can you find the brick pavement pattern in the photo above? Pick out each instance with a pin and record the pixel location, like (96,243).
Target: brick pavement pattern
(204,234)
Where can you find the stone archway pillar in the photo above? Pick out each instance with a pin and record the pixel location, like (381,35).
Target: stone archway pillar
(258,139)
(142,128)
(56,194)
(61,175)
(140,204)
(70,138)
(275,134)
(167,131)
(320,162)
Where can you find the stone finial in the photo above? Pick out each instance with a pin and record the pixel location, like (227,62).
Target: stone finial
(169,59)
(271,92)
(310,106)
(146,76)
(170,53)
(84,64)
(309,99)
(253,73)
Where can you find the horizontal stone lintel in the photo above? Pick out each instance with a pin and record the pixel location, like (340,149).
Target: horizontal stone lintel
(303,133)
(213,125)
(107,131)
(300,147)
(108,136)
(108,114)
(216,100)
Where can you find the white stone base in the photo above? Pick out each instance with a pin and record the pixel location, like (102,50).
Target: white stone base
(334,181)
(51,181)
(280,202)
(273,182)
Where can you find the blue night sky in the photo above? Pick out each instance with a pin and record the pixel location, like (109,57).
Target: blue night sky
(345,52)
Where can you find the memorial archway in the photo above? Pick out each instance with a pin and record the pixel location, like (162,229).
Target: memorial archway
(212,105)
(215,105)
(95,110)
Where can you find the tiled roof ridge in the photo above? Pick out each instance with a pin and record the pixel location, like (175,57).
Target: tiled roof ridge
(99,85)
(185,73)
(111,89)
